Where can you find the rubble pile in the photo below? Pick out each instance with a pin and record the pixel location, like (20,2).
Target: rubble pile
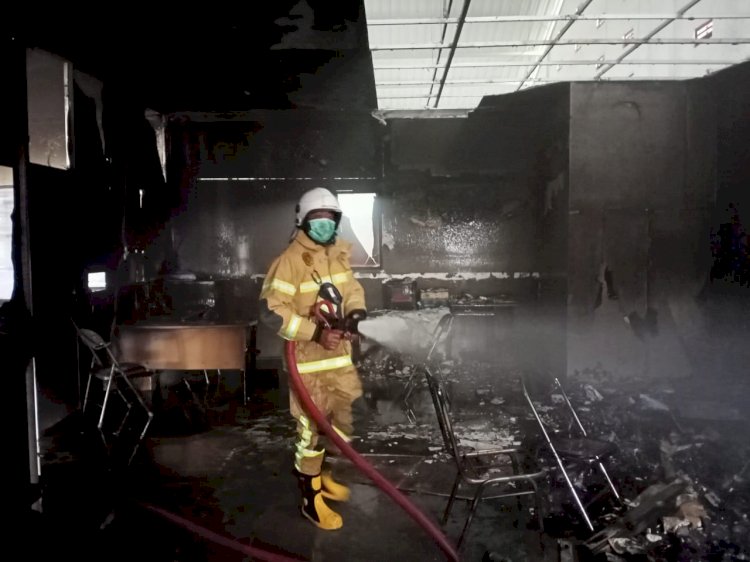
(680,445)
(682,463)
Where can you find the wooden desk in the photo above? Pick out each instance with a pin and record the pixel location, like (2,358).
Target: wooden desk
(185,347)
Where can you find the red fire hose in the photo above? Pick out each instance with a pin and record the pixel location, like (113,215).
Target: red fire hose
(361,464)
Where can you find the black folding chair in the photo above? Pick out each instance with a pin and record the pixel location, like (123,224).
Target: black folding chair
(115,379)
(441,331)
(478,467)
(574,451)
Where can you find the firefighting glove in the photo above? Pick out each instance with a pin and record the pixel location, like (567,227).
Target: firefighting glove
(352,320)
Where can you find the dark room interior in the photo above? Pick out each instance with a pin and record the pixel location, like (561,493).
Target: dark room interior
(545,203)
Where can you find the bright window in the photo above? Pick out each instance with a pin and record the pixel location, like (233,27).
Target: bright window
(7,203)
(360,227)
(48,85)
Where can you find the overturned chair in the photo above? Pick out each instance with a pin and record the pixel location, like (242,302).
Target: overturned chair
(479,467)
(122,425)
(575,451)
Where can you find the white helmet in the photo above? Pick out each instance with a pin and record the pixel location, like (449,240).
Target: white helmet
(315,199)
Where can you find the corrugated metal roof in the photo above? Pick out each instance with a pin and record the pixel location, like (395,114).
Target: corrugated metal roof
(514,44)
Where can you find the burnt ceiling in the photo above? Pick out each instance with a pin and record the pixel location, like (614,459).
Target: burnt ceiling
(271,55)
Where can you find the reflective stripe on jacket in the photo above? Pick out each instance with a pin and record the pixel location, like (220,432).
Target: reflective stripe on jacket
(291,288)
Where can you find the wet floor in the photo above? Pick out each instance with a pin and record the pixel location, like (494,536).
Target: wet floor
(214,479)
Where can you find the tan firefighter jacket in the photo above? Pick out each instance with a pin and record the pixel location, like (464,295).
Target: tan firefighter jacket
(291,289)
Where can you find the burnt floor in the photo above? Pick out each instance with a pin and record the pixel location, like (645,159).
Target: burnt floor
(223,473)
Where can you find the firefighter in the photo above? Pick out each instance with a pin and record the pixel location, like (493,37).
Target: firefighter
(324,356)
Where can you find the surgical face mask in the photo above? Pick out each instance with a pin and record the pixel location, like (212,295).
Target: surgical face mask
(322,230)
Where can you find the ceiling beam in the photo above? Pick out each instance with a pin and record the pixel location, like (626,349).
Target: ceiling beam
(446,13)
(537,81)
(582,62)
(451,54)
(560,17)
(647,39)
(569,42)
(461,82)
(424,97)
(563,30)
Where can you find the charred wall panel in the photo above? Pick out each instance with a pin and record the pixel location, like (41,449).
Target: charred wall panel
(642,158)
(479,194)
(484,200)
(627,144)
(729,222)
(290,144)
(459,226)
(730,89)
(232,229)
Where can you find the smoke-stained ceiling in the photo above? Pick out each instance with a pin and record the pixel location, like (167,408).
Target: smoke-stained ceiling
(271,55)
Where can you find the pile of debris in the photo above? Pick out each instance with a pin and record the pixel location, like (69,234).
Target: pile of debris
(683,462)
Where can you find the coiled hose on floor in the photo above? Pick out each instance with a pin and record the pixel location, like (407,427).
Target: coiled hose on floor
(361,464)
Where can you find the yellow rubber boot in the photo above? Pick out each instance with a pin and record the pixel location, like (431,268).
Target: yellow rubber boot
(314,506)
(332,489)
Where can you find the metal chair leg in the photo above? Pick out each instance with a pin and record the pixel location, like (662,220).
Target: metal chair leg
(539,515)
(609,481)
(218,382)
(128,409)
(572,489)
(472,510)
(515,466)
(86,394)
(538,507)
(583,432)
(452,497)
(442,327)
(208,387)
(106,397)
(140,438)
(146,409)
(410,386)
